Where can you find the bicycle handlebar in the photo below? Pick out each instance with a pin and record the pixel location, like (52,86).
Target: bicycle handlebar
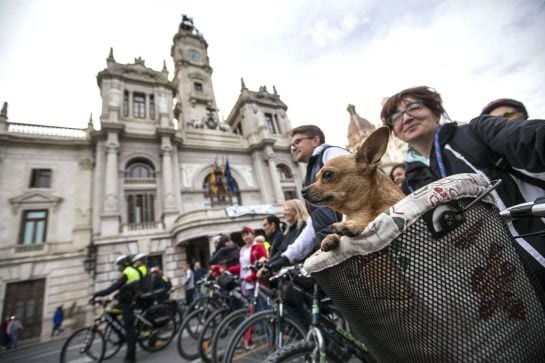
(529,209)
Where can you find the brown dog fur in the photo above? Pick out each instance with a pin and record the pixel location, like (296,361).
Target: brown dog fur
(353,186)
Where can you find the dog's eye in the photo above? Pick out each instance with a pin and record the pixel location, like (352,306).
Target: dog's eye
(327,175)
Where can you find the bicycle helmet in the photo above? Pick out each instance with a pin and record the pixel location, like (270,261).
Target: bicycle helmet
(122,260)
(138,257)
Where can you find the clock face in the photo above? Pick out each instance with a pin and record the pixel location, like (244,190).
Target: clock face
(194,55)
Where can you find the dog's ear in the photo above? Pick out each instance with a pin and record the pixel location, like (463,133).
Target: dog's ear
(373,148)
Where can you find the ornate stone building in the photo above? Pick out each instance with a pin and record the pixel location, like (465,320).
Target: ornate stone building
(161,176)
(359,129)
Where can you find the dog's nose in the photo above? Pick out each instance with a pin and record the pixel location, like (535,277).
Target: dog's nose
(305,191)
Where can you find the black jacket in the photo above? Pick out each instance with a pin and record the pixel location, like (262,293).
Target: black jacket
(275,240)
(291,235)
(495,147)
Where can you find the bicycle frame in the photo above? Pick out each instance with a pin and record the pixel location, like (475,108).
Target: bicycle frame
(321,325)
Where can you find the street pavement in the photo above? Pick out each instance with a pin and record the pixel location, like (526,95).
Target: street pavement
(49,352)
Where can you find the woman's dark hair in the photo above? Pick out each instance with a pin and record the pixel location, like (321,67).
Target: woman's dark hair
(396,166)
(222,241)
(427,95)
(271,218)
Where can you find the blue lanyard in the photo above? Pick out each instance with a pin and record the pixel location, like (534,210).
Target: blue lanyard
(438,153)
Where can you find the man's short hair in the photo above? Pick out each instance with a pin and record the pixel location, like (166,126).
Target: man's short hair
(310,131)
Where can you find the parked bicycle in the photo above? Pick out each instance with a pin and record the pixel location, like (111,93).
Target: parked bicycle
(266,331)
(328,339)
(155,328)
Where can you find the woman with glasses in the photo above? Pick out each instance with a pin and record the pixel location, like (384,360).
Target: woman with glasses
(511,151)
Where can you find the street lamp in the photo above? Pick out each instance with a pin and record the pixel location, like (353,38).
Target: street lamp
(89,263)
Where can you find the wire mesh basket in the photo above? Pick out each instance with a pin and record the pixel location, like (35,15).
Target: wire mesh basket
(433,293)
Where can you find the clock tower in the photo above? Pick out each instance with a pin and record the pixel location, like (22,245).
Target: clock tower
(196,103)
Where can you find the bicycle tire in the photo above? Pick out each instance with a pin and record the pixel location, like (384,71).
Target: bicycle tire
(255,339)
(189,334)
(158,336)
(300,351)
(223,333)
(114,340)
(92,338)
(209,327)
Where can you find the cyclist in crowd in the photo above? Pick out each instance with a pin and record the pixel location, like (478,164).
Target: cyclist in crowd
(226,252)
(127,286)
(511,151)
(507,108)
(199,274)
(273,232)
(160,283)
(397,174)
(249,254)
(297,217)
(308,146)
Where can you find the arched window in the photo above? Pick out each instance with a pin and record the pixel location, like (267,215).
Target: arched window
(284,173)
(140,170)
(217,190)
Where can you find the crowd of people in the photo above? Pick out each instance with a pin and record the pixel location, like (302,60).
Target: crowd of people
(501,143)
(491,144)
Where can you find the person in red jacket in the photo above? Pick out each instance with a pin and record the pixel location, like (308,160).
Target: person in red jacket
(250,253)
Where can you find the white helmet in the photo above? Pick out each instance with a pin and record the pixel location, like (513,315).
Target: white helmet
(122,260)
(137,257)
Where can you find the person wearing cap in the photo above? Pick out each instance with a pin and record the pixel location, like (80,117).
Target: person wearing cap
(513,152)
(128,286)
(249,253)
(507,108)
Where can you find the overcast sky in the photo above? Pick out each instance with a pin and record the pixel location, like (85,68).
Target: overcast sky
(321,55)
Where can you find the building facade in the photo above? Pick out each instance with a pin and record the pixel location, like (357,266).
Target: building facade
(162,176)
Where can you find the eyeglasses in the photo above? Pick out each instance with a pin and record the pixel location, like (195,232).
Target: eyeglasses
(296,142)
(411,109)
(510,114)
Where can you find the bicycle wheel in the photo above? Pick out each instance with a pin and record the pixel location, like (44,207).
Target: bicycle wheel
(84,345)
(189,334)
(300,351)
(260,335)
(160,333)
(114,340)
(208,330)
(223,333)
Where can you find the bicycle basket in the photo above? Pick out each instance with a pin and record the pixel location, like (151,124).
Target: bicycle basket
(227,281)
(462,296)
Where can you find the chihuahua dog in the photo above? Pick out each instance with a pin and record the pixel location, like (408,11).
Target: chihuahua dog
(353,186)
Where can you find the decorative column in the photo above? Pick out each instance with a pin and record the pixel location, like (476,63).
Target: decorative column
(170,211)
(110,208)
(275,180)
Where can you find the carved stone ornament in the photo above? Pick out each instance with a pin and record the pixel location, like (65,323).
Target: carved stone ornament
(114,97)
(188,173)
(35,199)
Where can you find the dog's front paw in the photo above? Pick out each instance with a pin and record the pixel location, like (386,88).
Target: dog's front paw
(330,242)
(348,228)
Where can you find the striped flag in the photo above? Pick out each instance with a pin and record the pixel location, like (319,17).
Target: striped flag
(213,181)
